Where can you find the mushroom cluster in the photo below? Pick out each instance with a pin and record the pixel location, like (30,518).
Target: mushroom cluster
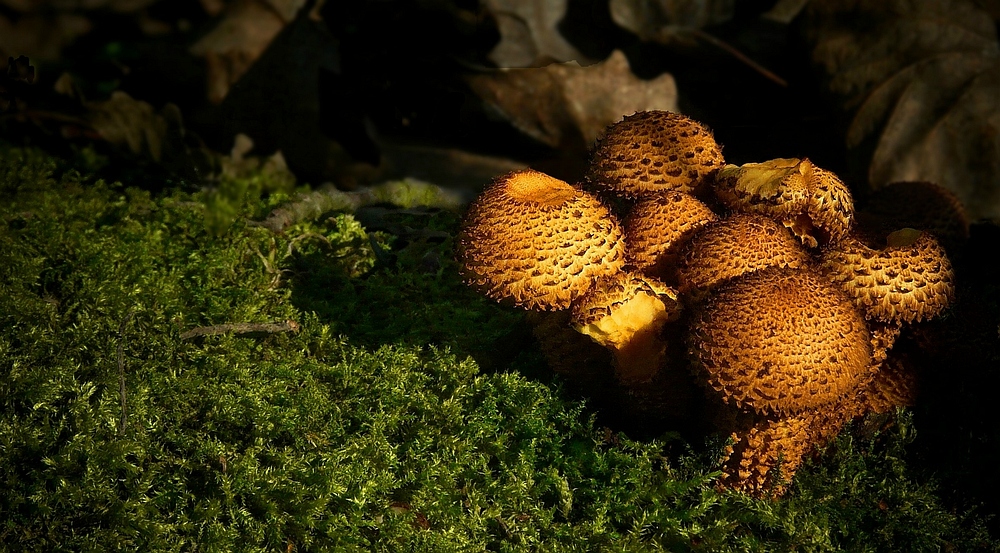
(740,294)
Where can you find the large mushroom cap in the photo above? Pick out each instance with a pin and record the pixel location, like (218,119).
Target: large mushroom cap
(655,151)
(911,279)
(730,247)
(537,242)
(779,340)
(815,204)
(657,228)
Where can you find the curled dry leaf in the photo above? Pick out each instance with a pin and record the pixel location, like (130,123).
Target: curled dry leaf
(923,79)
(528,33)
(567,106)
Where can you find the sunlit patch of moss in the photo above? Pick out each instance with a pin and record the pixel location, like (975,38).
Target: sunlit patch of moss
(373,427)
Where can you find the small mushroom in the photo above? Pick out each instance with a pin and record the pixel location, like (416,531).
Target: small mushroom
(655,151)
(658,227)
(911,279)
(920,205)
(730,247)
(625,313)
(537,242)
(779,340)
(812,202)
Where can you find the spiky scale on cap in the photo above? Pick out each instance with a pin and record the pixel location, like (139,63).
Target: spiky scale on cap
(655,151)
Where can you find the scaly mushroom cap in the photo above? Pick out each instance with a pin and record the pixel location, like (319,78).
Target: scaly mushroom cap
(625,312)
(920,205)
(537,242)
(654,151)
(656,228)
(815,204)
(911,279)
(730,247)
(779,340)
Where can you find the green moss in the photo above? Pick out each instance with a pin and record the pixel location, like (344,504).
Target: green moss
(372,428)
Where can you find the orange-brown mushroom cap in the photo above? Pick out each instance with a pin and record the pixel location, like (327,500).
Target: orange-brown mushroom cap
(911,279)
(658,227)
(654,151)
(537,242)
(779,340)
(730,247)
(813,202)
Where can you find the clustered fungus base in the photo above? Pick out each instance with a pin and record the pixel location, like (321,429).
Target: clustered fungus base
(772,318)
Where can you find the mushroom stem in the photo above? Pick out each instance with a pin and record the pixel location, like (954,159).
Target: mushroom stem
(638,359)
(632,333)
(626,314)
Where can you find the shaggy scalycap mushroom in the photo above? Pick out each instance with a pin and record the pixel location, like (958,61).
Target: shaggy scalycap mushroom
(536,242)
(655,151)
(779,340)
(911,279)
(812,202)
(658,227)
(920,205)
(730,247)
(626,312)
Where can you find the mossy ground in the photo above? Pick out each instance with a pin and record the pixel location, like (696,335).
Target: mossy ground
(406,414)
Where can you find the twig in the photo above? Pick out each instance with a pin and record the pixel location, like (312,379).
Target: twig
(728,48)
(241,329)
(121,373)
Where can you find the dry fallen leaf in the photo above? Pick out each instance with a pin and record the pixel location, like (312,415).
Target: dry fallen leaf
(240,38)
(15,76)
(133,124)
(655,20)
(923,80)
(529,36)
(567,106)
(41,36)
(120,6)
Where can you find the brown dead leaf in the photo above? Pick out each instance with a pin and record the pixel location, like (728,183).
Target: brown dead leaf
(654,20)
(158,135)
(923,80)
(240,38)
(528,33)
(120,6)
(41,36)
(567,106)
(15,76)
